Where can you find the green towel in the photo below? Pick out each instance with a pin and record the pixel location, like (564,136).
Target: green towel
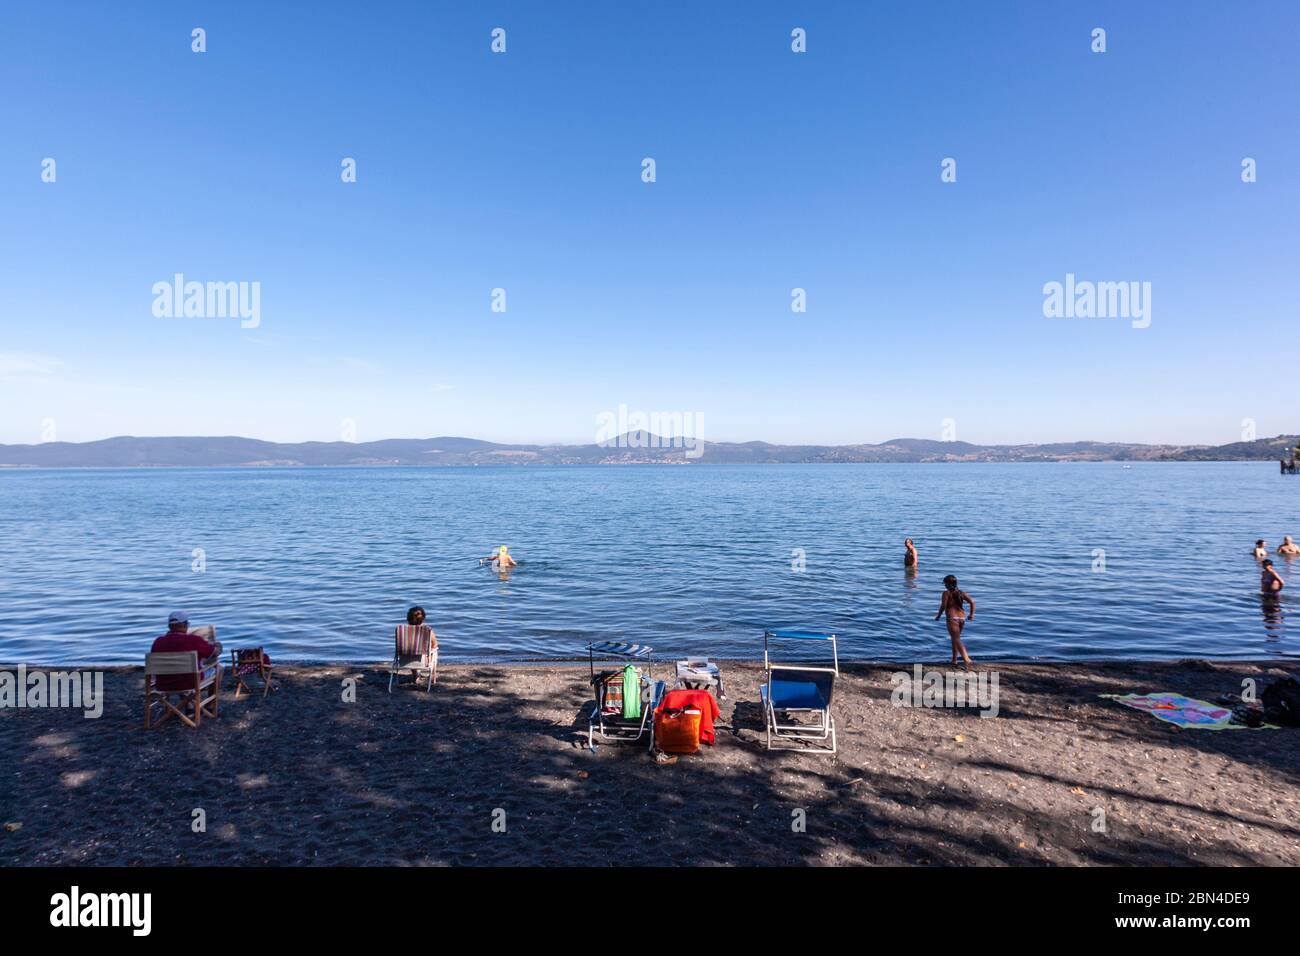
(631,693)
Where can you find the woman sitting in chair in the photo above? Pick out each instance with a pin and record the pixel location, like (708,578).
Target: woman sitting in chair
(417,648)
(415,617)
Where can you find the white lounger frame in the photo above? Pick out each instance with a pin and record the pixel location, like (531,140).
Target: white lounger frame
(596,726)
(801,738)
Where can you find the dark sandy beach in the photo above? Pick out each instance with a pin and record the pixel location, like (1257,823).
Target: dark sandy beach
(414,778)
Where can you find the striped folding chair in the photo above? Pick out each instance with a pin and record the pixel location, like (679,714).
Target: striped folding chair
(610,717)
(417,651)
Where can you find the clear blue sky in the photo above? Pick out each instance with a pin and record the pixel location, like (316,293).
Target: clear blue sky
(775,171)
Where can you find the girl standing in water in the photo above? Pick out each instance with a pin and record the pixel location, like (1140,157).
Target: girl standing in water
(1270,582)
(951,604)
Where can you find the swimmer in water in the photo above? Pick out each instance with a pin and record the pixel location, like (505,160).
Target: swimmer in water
(910,558)
(1261,549)
(1288,547)
(1270,582)
(951,604)
(501,558)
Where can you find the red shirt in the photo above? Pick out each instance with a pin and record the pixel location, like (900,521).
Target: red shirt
(702,701)
(172,642)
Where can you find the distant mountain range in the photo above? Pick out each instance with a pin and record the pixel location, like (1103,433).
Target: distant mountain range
(632,448)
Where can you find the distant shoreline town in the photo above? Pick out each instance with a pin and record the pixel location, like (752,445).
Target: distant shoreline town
(133,452)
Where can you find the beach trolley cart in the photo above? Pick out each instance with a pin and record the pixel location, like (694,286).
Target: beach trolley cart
(700,673)
(625,697)
(797,697)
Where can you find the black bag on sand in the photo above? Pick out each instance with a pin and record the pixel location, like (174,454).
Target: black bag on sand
(1281,700)
(1248,716)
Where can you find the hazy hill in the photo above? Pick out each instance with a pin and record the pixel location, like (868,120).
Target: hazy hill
(636,447)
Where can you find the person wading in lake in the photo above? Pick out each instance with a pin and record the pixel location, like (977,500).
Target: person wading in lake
(910,558)
(1270,582)
(1261,549)
(1288,547)
(501,558)
(951,604)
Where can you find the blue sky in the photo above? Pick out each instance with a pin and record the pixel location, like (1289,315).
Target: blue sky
(775,170)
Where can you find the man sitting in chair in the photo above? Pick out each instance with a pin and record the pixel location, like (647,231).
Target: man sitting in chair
(179,638)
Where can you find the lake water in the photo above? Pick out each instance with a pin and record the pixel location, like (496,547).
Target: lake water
(318,564)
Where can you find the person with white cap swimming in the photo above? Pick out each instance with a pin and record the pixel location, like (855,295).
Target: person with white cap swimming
(501,558)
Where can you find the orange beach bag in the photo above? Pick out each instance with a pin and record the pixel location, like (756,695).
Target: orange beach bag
(677,730)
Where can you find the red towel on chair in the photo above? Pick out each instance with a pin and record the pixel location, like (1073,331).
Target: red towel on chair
(701,700)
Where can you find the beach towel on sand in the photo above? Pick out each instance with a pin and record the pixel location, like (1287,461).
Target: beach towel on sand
(1180,711)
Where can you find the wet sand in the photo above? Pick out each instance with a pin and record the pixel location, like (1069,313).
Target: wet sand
(415,778)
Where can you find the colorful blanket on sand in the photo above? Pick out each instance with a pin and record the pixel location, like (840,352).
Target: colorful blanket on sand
(1180,711)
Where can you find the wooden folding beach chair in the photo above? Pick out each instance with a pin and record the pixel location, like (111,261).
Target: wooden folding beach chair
(203,698)
(250,662)
(417,651)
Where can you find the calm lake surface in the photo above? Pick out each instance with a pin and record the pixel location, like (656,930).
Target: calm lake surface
(318,564)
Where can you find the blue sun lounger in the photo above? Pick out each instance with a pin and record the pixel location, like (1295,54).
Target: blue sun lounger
(797,698)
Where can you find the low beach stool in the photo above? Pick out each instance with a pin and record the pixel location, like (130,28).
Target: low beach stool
(250,662)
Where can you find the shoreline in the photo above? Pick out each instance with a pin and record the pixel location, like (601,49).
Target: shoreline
(414,777)
(303,466)
(983,663)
